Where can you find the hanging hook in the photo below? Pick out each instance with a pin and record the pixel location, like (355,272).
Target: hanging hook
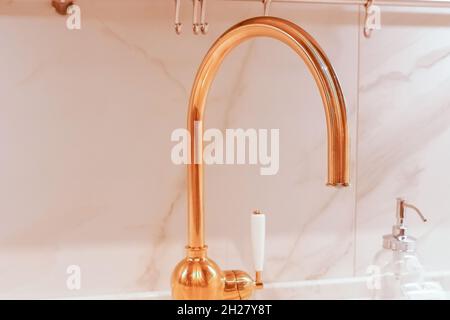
(266,4)
(367,31)
(372,20)
(177,17)
(61,6)
(195,23)
(203,23)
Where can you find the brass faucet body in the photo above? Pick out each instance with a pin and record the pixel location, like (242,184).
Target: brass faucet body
(197,276)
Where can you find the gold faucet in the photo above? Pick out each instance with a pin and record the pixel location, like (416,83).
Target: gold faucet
(197,276)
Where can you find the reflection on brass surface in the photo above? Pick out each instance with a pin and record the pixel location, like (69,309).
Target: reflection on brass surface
(258,280)
(197,277)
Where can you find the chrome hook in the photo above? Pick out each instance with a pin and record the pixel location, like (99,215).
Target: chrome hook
(178,24)
(203,24)
(266,4)
(372,20)
(195,24)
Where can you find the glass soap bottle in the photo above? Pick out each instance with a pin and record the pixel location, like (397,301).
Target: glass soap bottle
(397,263)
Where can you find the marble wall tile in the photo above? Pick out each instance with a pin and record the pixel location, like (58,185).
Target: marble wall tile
(404,133)
(85,171)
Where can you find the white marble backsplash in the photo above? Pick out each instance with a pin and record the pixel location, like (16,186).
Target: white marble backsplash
(404,133)
(85,121)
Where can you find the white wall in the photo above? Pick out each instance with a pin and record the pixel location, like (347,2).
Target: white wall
(86,117)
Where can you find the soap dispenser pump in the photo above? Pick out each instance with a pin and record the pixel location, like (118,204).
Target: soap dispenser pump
(397,263)
(399,240)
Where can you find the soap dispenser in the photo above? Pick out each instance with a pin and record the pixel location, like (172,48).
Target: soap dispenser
(397,263)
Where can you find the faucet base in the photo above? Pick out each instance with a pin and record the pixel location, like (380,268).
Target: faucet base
(199,278)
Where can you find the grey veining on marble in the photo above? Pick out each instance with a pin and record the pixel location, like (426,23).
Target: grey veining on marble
(85,123)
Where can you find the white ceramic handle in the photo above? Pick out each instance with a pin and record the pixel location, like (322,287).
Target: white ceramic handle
(258,231)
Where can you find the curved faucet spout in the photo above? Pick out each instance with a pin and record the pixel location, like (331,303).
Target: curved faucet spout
(321,69)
